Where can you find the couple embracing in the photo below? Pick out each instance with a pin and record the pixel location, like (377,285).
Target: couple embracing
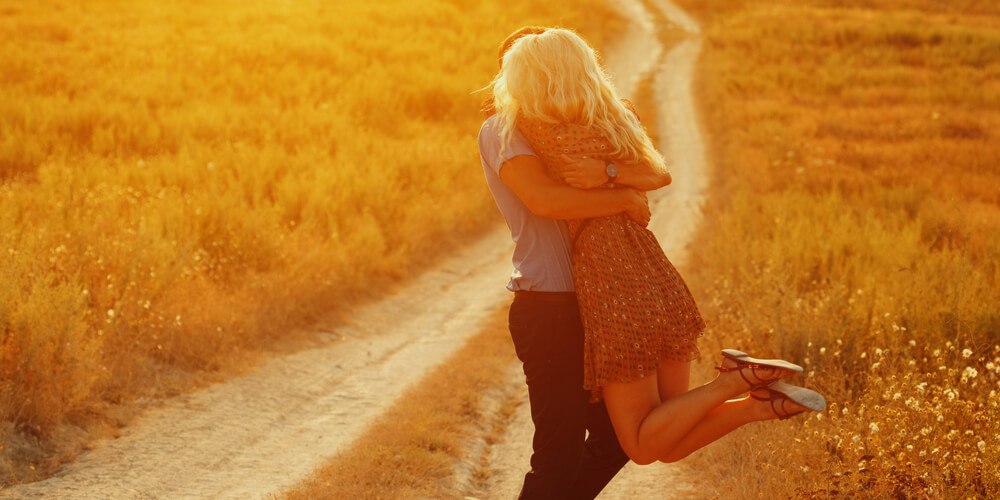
(603,324)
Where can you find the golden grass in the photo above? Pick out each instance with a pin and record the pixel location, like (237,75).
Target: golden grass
(183,182)
(856,228)
(410,452)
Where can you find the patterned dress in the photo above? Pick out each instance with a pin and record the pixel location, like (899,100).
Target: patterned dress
(636,309)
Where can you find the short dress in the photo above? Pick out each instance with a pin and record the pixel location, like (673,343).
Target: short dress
(635,307)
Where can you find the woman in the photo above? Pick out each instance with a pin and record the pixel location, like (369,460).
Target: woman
(639,318)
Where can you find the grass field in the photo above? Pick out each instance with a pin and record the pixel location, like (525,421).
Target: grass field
(184,182)
(855,226)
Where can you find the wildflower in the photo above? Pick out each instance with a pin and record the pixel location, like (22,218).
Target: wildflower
(925,431)
(966,353)
(873,427)
(878,351)
(111,313)
(896,396)
(969,373)
(913,343)
(856,438)
(937,352)
(982,446)
(922,386)
(822,350)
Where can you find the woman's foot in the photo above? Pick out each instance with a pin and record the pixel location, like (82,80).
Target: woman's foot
(743,377)
(780,400)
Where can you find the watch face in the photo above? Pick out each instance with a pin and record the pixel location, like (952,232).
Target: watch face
(611,170)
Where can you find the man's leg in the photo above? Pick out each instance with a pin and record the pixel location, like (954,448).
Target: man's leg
(550,348)
(603,457)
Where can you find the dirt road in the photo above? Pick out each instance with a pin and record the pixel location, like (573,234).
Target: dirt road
(255,435)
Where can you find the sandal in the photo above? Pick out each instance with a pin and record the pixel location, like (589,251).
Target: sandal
(780,391)
(743,360)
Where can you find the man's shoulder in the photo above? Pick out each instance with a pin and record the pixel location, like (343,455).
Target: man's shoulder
(489,128)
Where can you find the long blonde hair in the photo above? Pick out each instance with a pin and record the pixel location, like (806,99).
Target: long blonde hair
(555,77)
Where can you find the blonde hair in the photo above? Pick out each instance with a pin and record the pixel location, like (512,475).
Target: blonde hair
(555,77)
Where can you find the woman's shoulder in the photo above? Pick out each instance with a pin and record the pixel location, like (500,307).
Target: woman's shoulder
(630,106)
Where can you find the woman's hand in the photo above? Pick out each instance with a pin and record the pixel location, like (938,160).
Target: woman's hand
(584,173)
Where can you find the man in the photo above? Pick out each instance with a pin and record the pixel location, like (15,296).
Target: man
(544,318)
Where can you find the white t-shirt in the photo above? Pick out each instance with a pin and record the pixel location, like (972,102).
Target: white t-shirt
(541,245)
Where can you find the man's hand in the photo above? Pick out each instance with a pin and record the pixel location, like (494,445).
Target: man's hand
(583,172)
(637,207)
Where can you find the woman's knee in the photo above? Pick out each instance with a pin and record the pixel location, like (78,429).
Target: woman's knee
(640,457)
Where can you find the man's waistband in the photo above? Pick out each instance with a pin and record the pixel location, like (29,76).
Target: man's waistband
(558,297)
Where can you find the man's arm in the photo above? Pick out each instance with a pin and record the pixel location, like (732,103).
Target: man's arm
(526,176)
(587,173)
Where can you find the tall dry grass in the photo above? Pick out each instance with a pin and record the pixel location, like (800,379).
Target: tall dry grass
(856,228)
(181,182)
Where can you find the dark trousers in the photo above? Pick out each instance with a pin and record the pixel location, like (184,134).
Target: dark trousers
(548,338)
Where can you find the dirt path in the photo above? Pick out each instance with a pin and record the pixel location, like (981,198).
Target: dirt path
(676,214)
(255,435)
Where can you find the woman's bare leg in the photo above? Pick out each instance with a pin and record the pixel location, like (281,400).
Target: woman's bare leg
(651,430)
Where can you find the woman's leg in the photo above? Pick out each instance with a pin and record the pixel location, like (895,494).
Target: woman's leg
(684,421)
(722,420)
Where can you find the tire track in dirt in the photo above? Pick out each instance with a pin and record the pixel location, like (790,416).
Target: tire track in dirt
(676,215)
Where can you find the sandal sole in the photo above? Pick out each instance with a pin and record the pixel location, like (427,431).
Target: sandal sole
(805,397)
(774,363)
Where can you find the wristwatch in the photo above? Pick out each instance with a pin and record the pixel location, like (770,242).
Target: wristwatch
(612,170)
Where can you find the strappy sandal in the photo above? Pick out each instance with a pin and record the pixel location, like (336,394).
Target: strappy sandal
(781,391)
(743,360)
